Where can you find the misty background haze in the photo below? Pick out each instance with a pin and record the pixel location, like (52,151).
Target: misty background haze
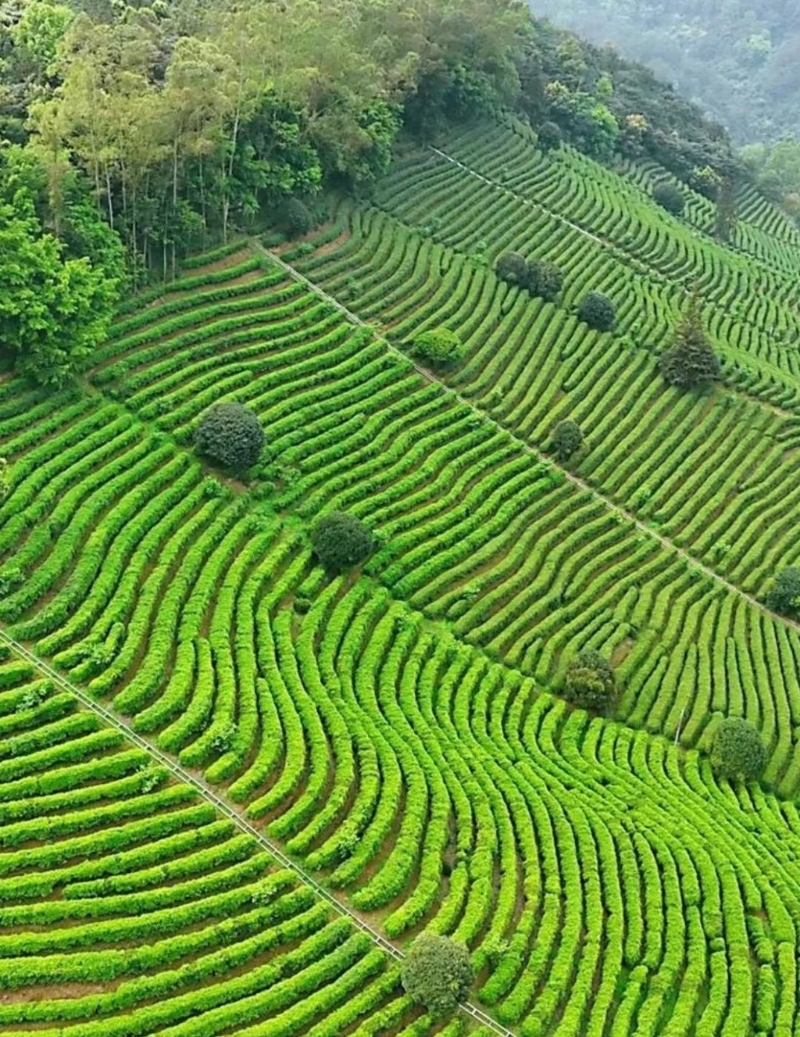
(738,59)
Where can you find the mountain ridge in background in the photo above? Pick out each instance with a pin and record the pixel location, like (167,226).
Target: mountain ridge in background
(738,60)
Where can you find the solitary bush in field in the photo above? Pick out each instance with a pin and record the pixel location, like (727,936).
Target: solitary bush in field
(598,311)
(738,751)
(340,541)
(549,136)
(669,197)
(231,434)
(589,682)
(690,361)
(440,345)
(566,439)
(513,267)
(785,595)
(296,219)
(437,973)
(544,279)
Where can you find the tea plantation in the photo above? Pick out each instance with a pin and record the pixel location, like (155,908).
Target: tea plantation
(199,723)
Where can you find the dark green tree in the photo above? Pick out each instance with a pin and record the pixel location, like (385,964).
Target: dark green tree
(230,434)
(738,752)
(727,216)
(437,973)
(340,541)
(785,594)
(669,197)
(549,136)
(296,218)
(544,279)
(441,346)
(598,311)
(566,439)
(690,361)
(512,267)
(589,682)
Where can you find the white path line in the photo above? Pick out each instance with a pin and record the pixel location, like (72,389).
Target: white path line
(204,790)
(543,458)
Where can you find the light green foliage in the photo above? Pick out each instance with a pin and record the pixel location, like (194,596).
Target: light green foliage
(5,478)
(441,346)
(53,311)
(437,973)
(738,751)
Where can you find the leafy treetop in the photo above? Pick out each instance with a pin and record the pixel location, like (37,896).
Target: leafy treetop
(437,973)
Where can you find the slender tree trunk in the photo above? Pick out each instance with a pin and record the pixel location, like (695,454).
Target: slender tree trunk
(109,198)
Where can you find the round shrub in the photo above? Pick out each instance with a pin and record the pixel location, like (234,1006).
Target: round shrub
(296,219)
(669,197)
(590,683)
(737,751)
(549,136)
(513,267)
(231,434)
(785,594)
(441,346)
(566,439)
(340,541)
(598,311)
(544,279)
(437,973)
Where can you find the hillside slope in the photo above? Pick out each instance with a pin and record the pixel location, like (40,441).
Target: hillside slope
(399,730)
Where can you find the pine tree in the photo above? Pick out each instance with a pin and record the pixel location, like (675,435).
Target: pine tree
(690,360)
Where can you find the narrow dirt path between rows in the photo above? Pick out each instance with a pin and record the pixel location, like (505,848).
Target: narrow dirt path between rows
(204,790)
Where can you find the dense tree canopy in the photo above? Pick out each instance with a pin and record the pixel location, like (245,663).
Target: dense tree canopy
(437,973)
(230,434)
(737,751)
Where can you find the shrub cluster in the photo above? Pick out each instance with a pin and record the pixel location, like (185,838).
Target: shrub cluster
(231,434)
(549,136)
(738,751)
(296,219)
(437,973)
(669,197)
(598,311)
(539,276)
(785,594)
(590,683)
(340,541)
(441,346)
(566,439)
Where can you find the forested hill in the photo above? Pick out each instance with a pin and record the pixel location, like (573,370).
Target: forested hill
(740,60)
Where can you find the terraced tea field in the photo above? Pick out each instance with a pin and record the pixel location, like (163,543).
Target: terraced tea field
(396,734)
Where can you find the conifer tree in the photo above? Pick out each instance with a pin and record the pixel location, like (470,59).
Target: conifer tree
(690,361)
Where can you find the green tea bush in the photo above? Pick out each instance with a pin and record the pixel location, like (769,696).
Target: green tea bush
(231,434)
(598,311)
(738,751)
(340,541)
(437,973)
